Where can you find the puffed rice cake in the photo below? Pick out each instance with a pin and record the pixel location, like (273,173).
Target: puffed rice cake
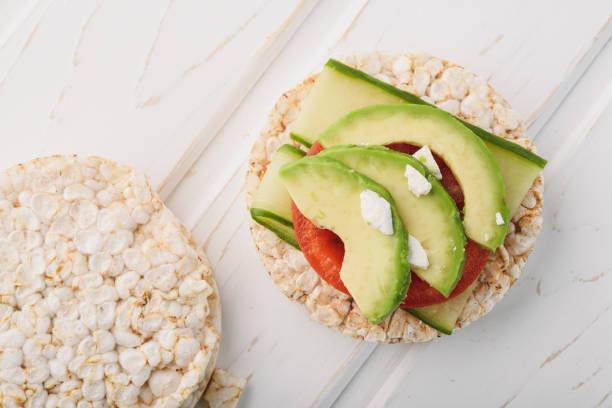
(223,391)
(106,300)
(453,89)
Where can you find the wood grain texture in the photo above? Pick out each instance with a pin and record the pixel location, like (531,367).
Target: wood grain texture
(551,333)
(127,81)
(289,68)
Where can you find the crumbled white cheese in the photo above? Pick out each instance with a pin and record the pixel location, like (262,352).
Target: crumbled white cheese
(417,256)
(499,220)
(424,156)
(376,211)
(417,183)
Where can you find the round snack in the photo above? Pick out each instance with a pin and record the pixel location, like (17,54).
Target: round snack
(452,89)
(106,298)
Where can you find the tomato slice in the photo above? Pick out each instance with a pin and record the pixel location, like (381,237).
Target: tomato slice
(421,294)
(449,182)
(324,250)
(316,148)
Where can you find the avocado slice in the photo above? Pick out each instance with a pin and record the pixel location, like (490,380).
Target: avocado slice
(272,204)
(517,172)
(433,219)
(375,269)
(443,316)
(340,89)
(466,154)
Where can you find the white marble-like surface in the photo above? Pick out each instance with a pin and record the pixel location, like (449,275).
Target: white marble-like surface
(180,88)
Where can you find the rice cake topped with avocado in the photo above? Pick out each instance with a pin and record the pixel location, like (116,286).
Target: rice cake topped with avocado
(106,298)
(439,83)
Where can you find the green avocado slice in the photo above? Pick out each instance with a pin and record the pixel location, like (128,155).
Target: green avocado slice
(340,89)
(485,213)
(432,218)
(375,269)
(272,204)
(443,316)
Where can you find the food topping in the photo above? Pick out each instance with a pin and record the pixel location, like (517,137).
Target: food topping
(424,156)
(499,219)
(376,212)
(418,256)
(417,183)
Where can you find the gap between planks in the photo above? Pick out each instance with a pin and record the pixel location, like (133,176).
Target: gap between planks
(340,379)
(580,64)
(382,397)
(234,97)
(541,117)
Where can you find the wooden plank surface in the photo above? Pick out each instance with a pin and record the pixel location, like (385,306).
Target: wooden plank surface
(126,80)
(547,343)
(163,84)
(289,68)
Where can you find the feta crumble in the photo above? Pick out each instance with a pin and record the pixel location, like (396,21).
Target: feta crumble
(417,183)
(417,256)
(376,211)
(424,156)
(499,220)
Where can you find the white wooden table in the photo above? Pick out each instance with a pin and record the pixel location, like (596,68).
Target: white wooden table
(180,89)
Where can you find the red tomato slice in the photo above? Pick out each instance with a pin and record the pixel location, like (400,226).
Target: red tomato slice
(449,182)
(324,250)
(421,294)
(315,149)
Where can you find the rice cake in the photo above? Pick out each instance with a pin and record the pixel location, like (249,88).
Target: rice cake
(106,300)
(453,89)
(223,391)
